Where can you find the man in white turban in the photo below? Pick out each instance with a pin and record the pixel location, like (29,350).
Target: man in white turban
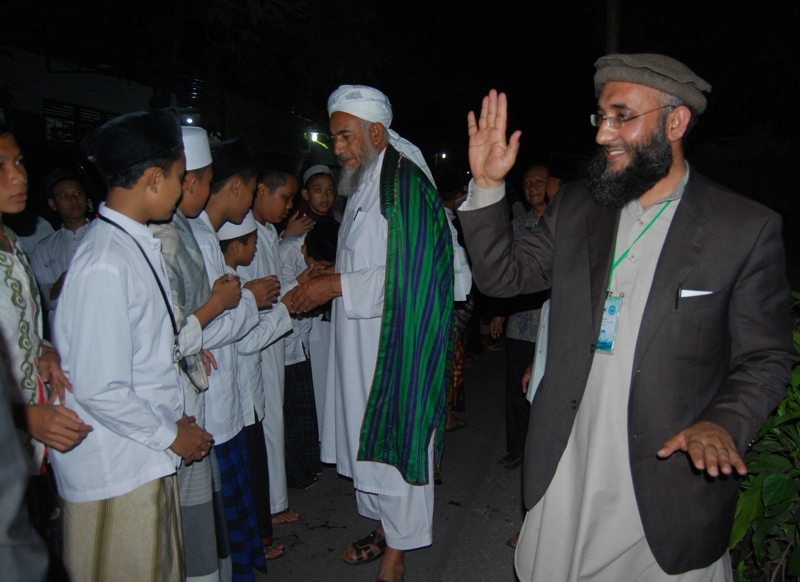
(392,319)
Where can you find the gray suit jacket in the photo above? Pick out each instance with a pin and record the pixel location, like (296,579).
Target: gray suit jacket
(724,357)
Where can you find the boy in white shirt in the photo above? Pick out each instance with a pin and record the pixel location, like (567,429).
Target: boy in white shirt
(238,245)
(119,343)
(273,200)
(232,189)
(303,257)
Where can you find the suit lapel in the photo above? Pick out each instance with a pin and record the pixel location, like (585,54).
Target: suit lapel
(601,225)
(687,238)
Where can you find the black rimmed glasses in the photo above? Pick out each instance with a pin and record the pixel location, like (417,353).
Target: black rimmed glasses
(618,121)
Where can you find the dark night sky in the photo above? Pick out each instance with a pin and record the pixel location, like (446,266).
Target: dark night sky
(440,62)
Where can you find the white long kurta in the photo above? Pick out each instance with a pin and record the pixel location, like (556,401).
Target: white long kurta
(356,318)
(587,525)
(265,263)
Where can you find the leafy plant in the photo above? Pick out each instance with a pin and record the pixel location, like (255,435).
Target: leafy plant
(765,540)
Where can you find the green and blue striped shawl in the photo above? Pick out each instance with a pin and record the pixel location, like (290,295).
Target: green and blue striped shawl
(408,396)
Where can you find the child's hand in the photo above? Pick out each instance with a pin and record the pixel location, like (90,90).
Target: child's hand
(192,442)
(305,275)
(320,270)
(228,290)
(265,290)
(287,299)
(297,226)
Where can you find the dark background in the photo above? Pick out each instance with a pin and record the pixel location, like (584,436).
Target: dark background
(436,60)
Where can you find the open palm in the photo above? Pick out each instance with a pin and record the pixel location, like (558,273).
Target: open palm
(490,156)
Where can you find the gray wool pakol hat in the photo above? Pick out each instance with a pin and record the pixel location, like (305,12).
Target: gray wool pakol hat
(656,71)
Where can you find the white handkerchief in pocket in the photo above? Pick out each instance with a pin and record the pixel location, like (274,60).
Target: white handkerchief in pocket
(694,293)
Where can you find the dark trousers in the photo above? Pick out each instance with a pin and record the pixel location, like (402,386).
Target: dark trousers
(519,355)
(259,479)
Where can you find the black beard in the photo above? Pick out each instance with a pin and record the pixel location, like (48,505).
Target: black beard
(650,163)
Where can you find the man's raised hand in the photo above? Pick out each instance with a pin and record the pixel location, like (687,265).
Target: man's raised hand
(490,156)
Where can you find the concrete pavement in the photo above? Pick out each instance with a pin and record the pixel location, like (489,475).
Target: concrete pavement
(476,509)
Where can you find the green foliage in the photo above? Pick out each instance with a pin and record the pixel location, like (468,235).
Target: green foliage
(765,540)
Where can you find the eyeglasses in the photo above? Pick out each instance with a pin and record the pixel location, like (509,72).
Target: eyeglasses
(618,121)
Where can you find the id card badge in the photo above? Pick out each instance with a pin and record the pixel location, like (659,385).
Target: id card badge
(608,327)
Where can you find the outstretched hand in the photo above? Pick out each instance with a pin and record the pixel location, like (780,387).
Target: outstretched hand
(710,448)
(490,156)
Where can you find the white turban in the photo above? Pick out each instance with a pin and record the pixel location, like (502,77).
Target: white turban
(371,105)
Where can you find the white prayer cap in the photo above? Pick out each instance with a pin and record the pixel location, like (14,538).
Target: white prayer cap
(230,231)
(196,148)
(371,105)
(314,170)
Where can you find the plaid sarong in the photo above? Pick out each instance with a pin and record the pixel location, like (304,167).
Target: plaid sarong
(246,549)
(408,396)
(301,432)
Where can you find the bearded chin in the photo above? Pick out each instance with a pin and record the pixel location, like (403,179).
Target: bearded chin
(351,179)
(649,164)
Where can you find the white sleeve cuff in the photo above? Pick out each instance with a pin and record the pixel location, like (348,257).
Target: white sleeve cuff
(477,197)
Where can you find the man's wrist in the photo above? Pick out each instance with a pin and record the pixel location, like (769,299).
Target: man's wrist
(487,184)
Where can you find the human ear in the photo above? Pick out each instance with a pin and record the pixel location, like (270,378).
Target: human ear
(376,131)
(304,192)
(153,177)
(677,123)
(236,187)
(52,204)
(189,182)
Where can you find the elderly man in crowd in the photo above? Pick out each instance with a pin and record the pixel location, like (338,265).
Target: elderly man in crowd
(670,333)
(393,305)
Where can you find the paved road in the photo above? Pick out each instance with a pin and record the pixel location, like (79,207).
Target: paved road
(476,509)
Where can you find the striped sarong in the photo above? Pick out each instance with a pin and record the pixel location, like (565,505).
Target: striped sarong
(136,536)
(408,396)
(246,549)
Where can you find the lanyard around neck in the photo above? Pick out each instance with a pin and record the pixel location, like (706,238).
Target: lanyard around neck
(176,344)
(616,262)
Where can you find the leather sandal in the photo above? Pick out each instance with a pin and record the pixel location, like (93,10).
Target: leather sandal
(366,549)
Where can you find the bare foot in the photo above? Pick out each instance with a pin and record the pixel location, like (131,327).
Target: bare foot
(286,517)
(274,552)
(392,568)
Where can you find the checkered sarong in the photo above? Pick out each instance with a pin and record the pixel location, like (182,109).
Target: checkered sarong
(246,549)
(301,432)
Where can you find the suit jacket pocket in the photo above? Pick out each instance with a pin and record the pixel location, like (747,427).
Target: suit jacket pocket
(712,300)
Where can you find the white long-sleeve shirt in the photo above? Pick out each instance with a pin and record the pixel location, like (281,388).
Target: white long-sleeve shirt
(114,334)
(293,264)
(51,258)
(223,410)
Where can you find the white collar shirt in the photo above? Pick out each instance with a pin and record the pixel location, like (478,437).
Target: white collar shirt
(224,418)
(116,341)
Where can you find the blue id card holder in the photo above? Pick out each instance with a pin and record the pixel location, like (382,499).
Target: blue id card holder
(609,324)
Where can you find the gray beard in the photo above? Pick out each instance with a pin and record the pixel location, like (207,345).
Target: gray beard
(650,163)
(351,180)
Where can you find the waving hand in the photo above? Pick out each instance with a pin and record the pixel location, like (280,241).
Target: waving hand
(490,157)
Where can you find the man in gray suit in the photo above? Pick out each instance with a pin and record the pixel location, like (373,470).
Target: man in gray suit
(669,333)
